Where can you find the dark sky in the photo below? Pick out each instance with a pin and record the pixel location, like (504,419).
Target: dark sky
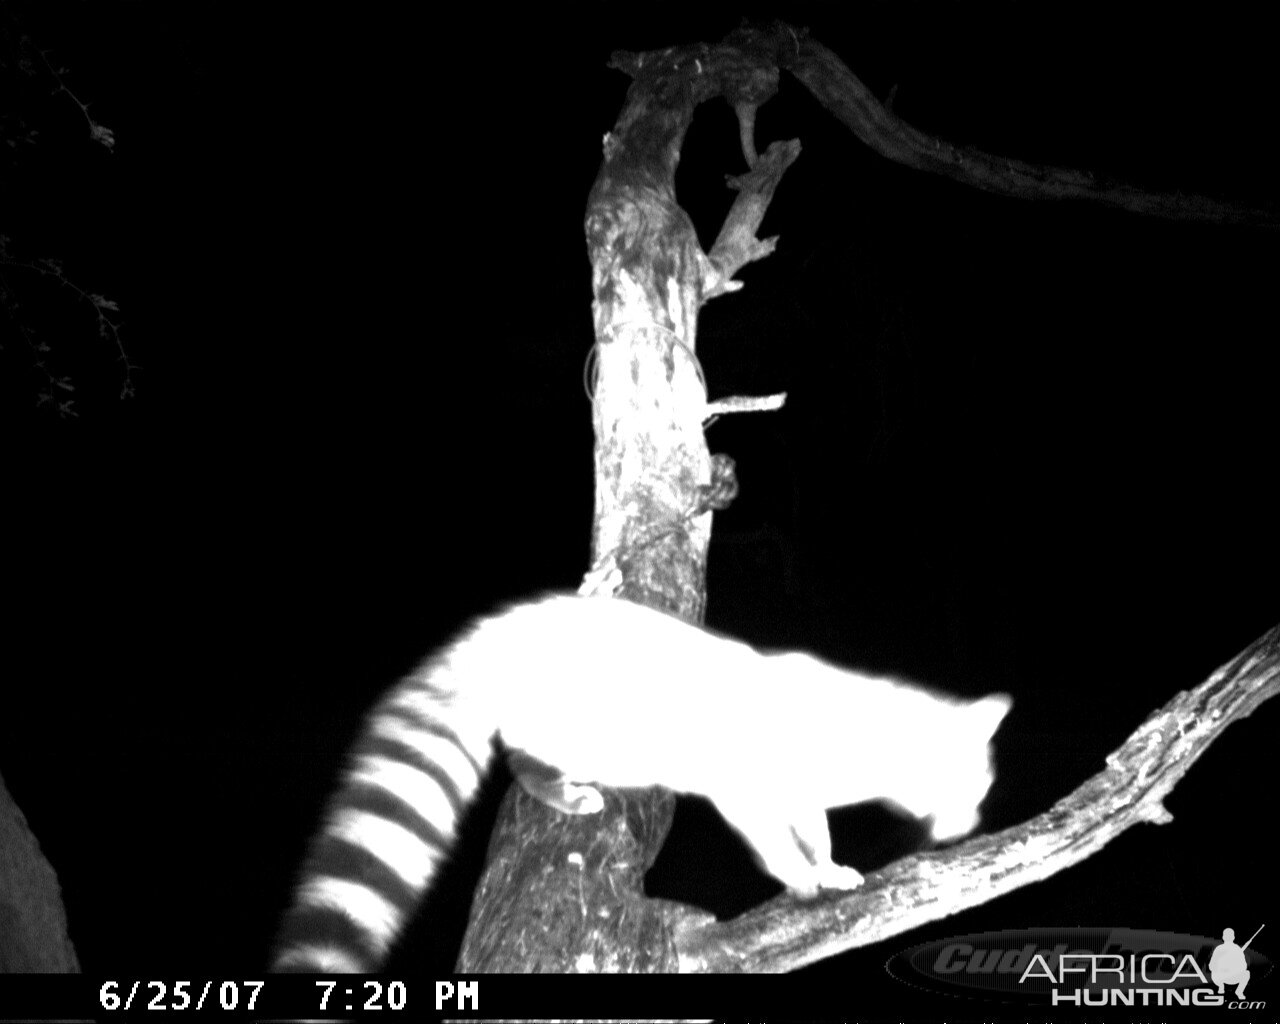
(1026,448)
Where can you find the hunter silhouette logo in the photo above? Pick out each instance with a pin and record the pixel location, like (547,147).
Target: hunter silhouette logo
(1090,967)
(1227,965)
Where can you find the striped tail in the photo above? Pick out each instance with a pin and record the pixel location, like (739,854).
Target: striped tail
(386,831)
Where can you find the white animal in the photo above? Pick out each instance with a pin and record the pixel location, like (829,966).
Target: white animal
(612,693)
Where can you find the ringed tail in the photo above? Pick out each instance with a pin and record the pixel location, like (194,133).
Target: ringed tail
(391,823)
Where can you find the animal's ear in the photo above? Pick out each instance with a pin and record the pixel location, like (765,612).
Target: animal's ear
(987,714)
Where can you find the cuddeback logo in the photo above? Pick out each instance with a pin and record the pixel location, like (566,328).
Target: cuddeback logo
(1081,967)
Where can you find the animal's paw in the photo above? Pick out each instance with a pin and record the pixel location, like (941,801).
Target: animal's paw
(558,792)
(826,876)
(577,799)
(837,876)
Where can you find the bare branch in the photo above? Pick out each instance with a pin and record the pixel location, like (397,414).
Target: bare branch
(825,75)
(745,403)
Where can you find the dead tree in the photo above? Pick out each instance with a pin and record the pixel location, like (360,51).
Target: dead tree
(565,893)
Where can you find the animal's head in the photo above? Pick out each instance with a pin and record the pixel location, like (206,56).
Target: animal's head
(960,770)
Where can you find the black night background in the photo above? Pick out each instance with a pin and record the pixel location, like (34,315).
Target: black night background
(1027,447)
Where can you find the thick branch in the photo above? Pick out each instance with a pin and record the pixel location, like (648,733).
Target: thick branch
(786,934)
(839,90)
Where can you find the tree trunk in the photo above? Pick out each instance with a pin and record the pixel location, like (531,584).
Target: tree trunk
(33,923)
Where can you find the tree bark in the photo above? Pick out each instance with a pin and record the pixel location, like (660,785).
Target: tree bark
(33,923)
